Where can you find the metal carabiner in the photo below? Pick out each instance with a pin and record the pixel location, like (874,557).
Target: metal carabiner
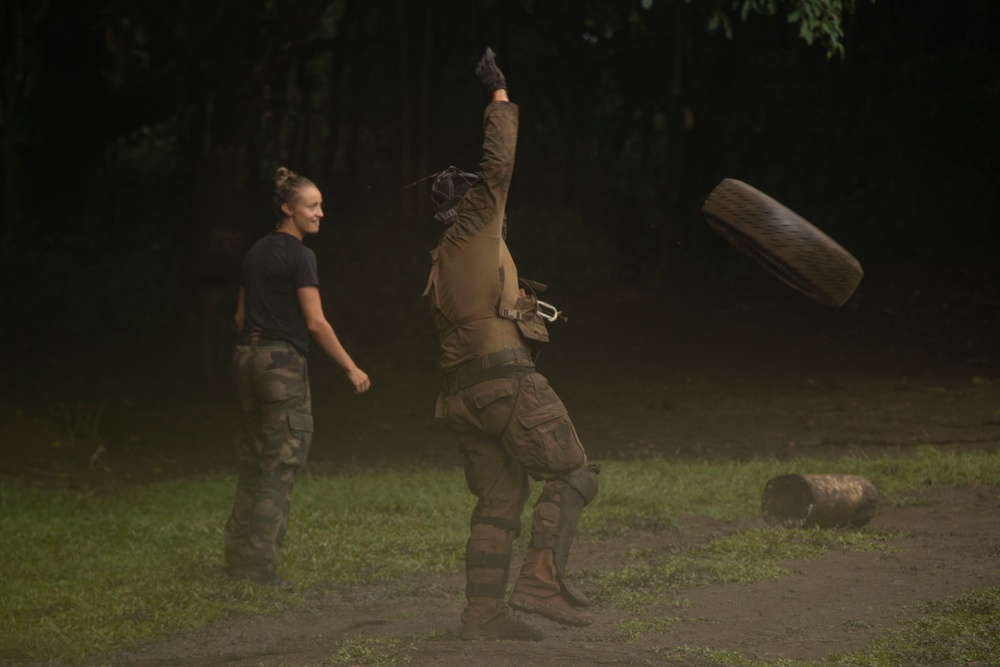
(547,311)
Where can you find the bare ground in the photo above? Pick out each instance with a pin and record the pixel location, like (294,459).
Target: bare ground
(769,376)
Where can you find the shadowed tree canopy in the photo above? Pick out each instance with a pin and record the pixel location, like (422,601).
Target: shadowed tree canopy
(139,139)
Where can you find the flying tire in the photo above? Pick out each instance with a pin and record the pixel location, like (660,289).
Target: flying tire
(783,242)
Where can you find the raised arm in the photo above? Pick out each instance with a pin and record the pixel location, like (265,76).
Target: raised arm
(483,207)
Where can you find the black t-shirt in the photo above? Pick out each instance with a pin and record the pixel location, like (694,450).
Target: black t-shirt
(274,269)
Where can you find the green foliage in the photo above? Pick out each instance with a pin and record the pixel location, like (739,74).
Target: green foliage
(817,20)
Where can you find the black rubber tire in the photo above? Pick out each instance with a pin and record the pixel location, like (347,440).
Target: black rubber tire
(783,242)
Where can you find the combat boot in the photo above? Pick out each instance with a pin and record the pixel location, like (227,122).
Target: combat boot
(502,625)
(538,592)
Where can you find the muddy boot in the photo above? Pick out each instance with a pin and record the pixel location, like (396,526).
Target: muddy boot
(555,608)
(538,592)
(490,619)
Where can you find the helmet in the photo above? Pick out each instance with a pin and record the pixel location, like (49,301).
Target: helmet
(447,191)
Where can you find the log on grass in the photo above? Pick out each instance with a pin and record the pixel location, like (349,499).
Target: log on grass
(819,501)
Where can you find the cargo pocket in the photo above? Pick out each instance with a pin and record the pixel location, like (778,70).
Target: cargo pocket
(485,393)
(300,427)
(544,440)
(486,406)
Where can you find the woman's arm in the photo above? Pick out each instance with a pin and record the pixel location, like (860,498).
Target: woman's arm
(322,331)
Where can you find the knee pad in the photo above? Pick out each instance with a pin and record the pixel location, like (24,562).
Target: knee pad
(584,481)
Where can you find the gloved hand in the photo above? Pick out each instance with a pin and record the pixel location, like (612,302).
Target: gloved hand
(489,74)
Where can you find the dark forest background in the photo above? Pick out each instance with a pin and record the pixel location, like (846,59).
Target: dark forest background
(139,139)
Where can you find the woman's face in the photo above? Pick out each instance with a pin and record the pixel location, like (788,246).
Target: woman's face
(306,212)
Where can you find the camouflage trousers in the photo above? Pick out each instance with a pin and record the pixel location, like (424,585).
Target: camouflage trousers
(271,382)
(511,430)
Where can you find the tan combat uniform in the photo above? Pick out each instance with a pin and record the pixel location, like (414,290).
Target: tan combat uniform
(508,422)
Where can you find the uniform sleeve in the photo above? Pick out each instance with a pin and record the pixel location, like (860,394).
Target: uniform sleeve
(483,206)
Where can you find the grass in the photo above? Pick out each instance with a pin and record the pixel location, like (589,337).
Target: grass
(87,573)
(959,631)
(745,557)
(387,652)
(654,494)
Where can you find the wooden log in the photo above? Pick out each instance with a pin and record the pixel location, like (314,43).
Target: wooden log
(820,501)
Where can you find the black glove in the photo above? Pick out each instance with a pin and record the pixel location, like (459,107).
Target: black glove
(489,74)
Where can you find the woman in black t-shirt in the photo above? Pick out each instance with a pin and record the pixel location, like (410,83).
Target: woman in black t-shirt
(278,310)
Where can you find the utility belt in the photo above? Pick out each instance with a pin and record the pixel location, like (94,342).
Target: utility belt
(497,364)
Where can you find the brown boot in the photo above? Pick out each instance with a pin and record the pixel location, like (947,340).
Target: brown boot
(555,608)
(503,625)
(537,591)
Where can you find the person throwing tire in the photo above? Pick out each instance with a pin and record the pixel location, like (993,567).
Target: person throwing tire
(509,424)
